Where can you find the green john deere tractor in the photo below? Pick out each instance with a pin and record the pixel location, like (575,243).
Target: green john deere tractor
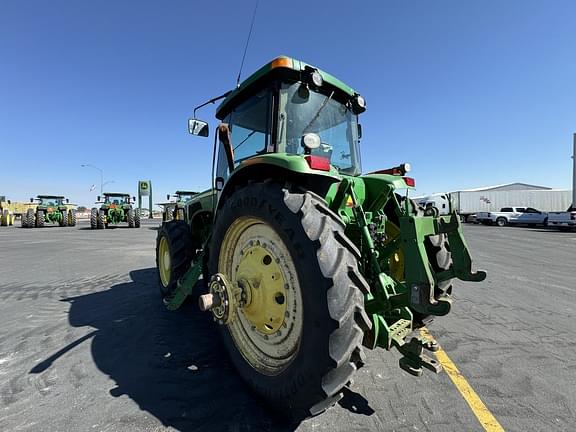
(306,260)
(176,210)
(51,209)
(115,208)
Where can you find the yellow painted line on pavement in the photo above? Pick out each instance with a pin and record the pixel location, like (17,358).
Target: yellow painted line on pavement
(484,416)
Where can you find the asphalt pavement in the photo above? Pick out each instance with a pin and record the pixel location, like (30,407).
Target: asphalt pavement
(86,344)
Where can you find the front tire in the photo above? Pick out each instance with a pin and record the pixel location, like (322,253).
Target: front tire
(298,360)
(501,222)
(174,251)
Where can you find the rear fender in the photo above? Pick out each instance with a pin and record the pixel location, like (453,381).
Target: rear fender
(283,167)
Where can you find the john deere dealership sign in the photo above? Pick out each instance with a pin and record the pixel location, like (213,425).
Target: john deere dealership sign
(144,187)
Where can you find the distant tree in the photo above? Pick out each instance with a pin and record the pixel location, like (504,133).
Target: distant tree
(82,209)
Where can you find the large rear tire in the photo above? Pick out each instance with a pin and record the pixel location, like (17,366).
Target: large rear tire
(137,218)
(72,217)
(29,219)
(130,218)
(174,252)
(301,349)
(40,219)
(101,219)
(94,218)
(5,218)
(64,220)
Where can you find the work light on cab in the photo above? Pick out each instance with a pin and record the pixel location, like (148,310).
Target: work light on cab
(310,141)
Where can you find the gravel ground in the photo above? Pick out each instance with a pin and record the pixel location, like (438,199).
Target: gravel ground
(86,345)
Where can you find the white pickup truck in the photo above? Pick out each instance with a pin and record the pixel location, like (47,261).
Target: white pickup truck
(562,220)
(513,215)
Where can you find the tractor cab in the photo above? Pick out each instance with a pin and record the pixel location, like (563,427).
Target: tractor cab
(116,198)
(292,108)
(50,200)
(183,196)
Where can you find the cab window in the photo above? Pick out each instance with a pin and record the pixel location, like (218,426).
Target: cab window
(250,127)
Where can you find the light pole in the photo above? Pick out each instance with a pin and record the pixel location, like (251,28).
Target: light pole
(573,206)
(101,174)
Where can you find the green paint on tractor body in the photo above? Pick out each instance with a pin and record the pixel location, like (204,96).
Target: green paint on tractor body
(50,209)
(115,208)
(292,124)
(176,210)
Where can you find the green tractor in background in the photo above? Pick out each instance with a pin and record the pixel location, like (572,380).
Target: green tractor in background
(176,210)
(50,209)
(116,208)
(307,261)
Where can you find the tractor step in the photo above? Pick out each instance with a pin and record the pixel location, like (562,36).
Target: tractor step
(414,360)
(185,284)
(400,330)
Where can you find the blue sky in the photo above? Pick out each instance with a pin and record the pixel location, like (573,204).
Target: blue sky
(472,93)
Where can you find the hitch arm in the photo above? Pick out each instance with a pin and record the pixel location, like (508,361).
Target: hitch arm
(186,284)
(462,262)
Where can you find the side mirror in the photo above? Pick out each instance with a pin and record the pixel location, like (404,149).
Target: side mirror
(359,131)
(67,200)
(134,199)
(168,197)
(198,127)
(9,202)
(98,198)
(31,200)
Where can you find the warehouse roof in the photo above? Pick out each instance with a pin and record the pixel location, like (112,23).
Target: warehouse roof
(507,187)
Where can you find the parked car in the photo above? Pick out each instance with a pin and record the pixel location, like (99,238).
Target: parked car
(513,215)
(562,220)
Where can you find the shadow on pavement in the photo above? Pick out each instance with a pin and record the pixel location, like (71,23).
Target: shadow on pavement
(355,403)
(170,363)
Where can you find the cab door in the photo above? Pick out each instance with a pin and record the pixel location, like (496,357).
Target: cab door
(534,216)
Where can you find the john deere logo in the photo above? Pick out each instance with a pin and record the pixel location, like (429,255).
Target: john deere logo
(144,188)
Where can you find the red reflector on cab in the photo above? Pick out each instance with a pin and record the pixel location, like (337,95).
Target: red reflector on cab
(318,162)
(409,181)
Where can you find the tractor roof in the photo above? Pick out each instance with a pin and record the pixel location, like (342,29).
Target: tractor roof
(50,196)
(279,67)
(115,193)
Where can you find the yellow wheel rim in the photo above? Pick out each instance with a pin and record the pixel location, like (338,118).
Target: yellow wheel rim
(164,264)
(396,260)
(268,327)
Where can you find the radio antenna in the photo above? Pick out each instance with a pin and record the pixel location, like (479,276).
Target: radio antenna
(247,42)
